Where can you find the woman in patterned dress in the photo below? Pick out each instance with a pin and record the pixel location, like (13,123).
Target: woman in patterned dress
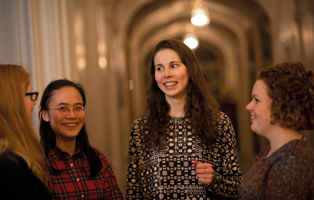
(182,147)
(281,107)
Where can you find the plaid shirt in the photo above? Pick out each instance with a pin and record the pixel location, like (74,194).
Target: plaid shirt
(73,182)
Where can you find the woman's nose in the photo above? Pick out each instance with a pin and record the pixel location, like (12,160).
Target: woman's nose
(168,73)
(71,114)
(248,106)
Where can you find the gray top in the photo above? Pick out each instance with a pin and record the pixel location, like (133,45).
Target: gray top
(286,174)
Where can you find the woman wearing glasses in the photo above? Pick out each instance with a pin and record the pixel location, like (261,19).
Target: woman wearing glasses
(23,168)
(77,169)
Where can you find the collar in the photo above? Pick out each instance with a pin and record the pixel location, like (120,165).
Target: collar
(56,154)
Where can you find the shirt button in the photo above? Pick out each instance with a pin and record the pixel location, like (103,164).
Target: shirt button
(77,179)
(71,164)
(82,195)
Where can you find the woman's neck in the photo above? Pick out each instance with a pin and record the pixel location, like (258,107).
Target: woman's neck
(176,107)
(68,146)
(281,137)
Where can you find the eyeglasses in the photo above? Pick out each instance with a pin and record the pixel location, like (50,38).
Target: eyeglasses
(65,110)
(33,95)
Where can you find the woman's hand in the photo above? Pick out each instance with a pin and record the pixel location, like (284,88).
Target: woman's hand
(204,172)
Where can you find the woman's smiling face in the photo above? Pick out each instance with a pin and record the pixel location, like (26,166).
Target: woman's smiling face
(66,127)
(171,74)
(260,109)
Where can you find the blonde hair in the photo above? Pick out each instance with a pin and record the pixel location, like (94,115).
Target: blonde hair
(16,133)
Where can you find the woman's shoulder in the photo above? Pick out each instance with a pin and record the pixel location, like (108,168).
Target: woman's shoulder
(304,150)
(223,118)
(140,119)
(11,160)
(225,126)
(102,157)
(98,152)
(13,163)
(16,176)
(138,123)
(295,149)
(223,115)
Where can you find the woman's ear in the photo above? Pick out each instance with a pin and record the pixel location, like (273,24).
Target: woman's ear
(44,115)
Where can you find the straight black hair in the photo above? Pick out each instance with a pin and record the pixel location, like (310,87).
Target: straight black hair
(48,138)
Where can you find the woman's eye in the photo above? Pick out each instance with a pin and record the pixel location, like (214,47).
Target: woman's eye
(174,65)
(78,108)
(256,100)
(62,108)
(158,68)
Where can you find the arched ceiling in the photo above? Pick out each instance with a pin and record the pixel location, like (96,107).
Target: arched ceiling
(227,15)
(143,23)
(152,21)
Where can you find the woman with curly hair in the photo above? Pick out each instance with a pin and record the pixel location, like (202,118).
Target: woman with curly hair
(281,107)
(23,167)
(182,147)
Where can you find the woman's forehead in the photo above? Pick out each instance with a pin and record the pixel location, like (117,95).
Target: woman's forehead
(66,95)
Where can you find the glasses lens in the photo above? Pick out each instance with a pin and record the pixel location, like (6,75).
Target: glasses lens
(65,111)
(76,110)
(33,95)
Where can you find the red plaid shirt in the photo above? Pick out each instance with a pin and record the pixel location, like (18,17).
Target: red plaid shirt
(73,182)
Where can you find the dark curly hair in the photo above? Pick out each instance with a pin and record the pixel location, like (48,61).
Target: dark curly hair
(201,108)
(291,89)
(48,137)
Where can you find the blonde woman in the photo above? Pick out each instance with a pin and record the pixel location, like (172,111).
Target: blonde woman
(23,166)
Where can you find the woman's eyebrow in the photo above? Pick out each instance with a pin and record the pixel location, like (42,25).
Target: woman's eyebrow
(66,104)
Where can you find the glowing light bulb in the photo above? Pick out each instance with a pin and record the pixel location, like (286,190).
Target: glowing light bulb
(191,41)
(200,17)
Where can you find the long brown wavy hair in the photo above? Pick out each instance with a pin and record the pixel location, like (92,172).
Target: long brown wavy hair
(16,133)
(200,107)
(291,88)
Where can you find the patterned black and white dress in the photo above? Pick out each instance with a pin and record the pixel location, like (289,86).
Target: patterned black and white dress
(170,173)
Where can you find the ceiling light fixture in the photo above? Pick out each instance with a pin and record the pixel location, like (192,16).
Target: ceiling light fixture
(199,15)
(191,40)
